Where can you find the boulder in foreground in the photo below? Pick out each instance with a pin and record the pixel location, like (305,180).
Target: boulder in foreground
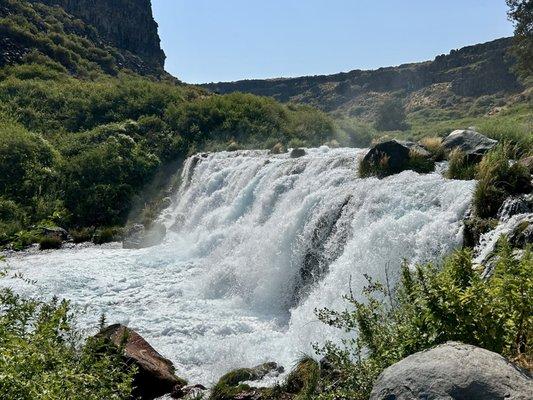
(453,371)
(471,143)
(155,376)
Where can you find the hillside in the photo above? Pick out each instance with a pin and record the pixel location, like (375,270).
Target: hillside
(103,37)
(92,128)
(470,81)
(126,24)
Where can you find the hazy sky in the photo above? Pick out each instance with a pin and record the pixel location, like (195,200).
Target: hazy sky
(225,40)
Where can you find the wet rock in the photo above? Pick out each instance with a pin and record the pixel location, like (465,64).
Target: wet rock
(522,234)
(297,153)
(453,371)
(515,205)
(55,233)
(155,376)
(473,144)
(394,156)
(474,227)
(188,392)
(232,386)
(138,237)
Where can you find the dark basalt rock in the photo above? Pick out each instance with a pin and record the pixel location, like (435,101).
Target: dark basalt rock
(394,156)
(155,376)
(297,153)
(473,144)
(453,371)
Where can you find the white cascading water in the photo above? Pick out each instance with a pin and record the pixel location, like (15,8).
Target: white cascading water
(256,243)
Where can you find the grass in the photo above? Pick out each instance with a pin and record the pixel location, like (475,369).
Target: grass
(497,179)
(459,167)
(48,243)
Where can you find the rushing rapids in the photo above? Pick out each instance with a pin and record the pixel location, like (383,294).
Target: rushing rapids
(256,243)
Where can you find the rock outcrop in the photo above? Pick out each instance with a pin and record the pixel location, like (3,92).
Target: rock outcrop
(155,376)
(126,24)
(453,371)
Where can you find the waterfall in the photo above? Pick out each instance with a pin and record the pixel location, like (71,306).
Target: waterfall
(256,243)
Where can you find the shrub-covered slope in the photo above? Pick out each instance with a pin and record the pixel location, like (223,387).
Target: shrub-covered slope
(83,132)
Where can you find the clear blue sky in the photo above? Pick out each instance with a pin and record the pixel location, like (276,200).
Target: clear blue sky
(226,40)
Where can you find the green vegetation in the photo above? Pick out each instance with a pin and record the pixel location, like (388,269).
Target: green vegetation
(459,167)
(521,12)
(391,116)
(497,180)
(42,357)
(430,306)
(83,140)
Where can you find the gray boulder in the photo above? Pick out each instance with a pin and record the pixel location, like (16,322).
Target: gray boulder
(473,144)
(138,237)
(453,371)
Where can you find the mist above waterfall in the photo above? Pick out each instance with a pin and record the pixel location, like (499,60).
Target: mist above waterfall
(256,242)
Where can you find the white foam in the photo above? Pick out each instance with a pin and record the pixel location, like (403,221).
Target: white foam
(219,293)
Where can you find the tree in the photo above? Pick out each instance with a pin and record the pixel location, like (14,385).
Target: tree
(391,116)
(521,13)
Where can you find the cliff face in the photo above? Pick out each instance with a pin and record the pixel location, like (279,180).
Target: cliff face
(126,24)
(469,73)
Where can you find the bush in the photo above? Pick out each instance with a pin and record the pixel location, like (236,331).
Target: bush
(81,235)
(42,358)
(391,116)
(107,235)
(431,306)
(47,243)
(497,179)
(459,167)
(434,146)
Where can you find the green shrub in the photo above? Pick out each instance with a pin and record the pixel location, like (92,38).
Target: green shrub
(497,179)
(391,116)
(107,235)
(81,235)
(303,379)
(459,167)
(47,243)
(42,357)
(434,146)
(430,306)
